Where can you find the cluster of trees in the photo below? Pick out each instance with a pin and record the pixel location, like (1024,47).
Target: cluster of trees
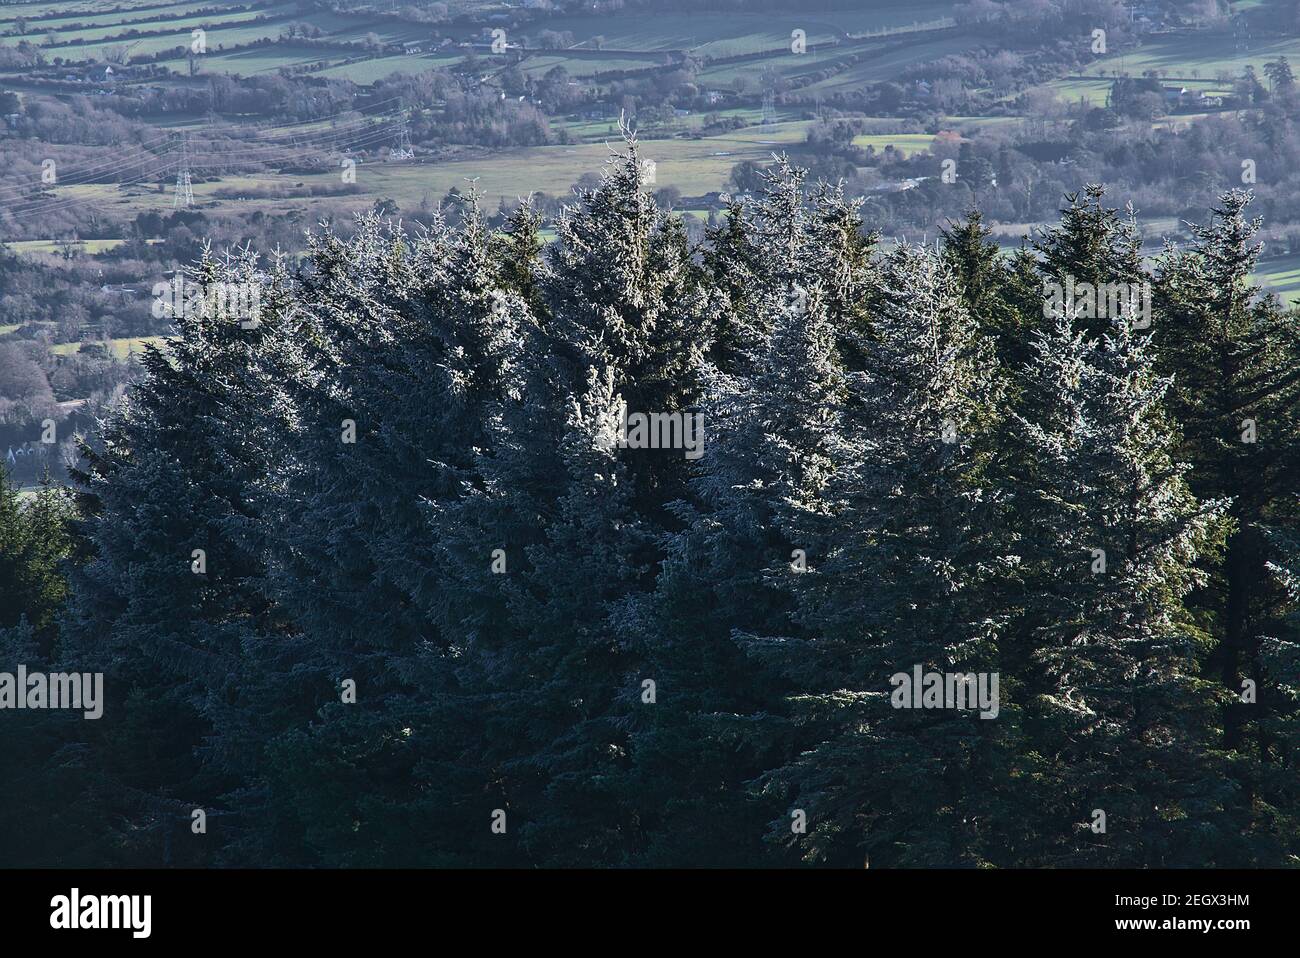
(464,111)
(379,581)
(23,383)
(1052,18)
(68,295)
(81,120)
(59,303)
(1016,172)
(37,421)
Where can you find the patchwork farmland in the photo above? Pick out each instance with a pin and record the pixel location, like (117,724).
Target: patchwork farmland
(134,130)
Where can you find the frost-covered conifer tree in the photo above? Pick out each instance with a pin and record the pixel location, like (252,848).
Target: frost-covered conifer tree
(1108,533)
(896,583)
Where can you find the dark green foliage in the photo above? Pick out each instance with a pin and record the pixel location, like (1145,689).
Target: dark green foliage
(1235,360)
(35,537)
(35,764)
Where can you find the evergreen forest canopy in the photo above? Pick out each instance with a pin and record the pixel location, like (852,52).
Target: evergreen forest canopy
(373,580)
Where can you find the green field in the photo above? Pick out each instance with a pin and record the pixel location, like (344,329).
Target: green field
(886,65)
(368,71)
(736,34)
(1200,56)
(904,143)
(63,8)
(40,27)
(223,30)
(263,59)
(1282,276)
(1091,92)
(182,24)
(878,60)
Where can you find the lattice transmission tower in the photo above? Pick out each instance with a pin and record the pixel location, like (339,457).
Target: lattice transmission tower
(402,149)
(184,195)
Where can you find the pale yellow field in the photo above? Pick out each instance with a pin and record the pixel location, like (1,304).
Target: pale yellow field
(121,348)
